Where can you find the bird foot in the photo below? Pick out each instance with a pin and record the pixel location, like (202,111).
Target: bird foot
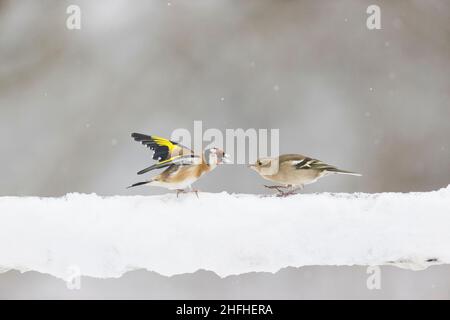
(293,190)
(196,191)
(186,191)
(283,193)
(278,188)
(180,191)
(286,194)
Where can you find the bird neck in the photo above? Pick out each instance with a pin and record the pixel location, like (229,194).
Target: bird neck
(207,164)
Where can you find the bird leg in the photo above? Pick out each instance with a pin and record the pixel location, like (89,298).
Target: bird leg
(180,191)
(278,188)
(292,190)
(194,190)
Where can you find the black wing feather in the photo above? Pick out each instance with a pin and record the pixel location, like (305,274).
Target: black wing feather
(160,152)
(302,164)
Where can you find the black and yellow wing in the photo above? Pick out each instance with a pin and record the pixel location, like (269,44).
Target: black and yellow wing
(165,151)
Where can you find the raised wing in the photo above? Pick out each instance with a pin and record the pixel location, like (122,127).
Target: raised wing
(164,149)
(166,152)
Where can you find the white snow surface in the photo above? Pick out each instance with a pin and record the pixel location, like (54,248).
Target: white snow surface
(226,233)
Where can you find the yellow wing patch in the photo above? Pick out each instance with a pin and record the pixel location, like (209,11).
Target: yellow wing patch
(163,142)
(164,150)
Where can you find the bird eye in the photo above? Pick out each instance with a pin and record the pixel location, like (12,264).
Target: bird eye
(259,163)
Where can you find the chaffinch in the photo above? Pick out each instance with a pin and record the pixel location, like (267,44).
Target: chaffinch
(293,171)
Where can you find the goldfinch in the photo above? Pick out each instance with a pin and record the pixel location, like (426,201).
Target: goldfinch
(293,171)
(183,167)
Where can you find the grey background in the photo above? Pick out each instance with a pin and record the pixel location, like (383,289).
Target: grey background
(317,282)
(376,102)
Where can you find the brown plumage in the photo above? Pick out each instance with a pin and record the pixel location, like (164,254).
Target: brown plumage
(293,171)
(179,177)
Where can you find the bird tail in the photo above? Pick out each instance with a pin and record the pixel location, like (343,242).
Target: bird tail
(339,171)
(139,184)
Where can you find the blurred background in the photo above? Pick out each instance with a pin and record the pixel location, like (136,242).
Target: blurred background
(372,101)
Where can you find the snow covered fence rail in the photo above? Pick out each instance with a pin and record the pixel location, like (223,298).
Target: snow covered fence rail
(228,234)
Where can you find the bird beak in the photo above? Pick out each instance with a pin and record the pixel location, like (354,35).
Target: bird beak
(226,158)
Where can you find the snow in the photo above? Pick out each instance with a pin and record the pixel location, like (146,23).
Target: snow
(225,233)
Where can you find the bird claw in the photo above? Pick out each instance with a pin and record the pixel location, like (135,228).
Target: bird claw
(274,187)
(184,191)
(180,191)
(278,188)
(286,194)
(282,193)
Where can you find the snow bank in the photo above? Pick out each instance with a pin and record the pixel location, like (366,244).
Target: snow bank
(228,234)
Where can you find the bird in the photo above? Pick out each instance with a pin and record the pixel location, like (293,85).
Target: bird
(182,166)
(293,171)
